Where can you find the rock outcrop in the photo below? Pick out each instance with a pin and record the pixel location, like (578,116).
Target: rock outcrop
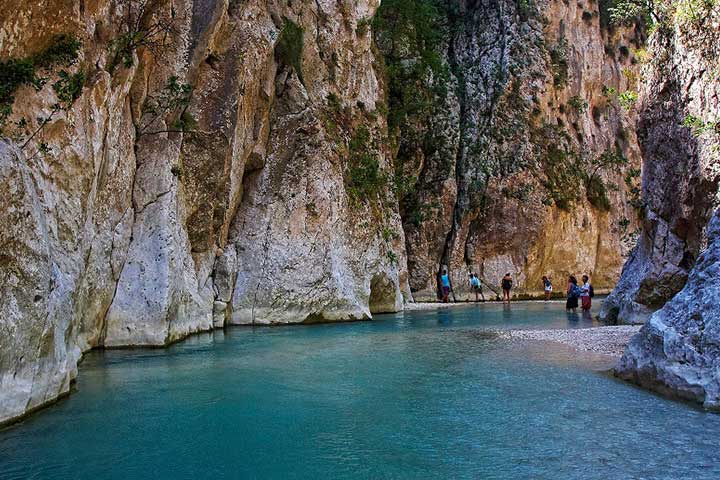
(189,166)
(681,167)
(677,351)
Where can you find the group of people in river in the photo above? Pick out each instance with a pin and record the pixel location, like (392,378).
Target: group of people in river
(577,295)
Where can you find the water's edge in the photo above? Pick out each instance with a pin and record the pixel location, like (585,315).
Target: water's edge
(427,306)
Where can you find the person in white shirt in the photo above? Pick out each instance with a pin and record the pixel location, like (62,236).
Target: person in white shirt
(585,294)
(547,286)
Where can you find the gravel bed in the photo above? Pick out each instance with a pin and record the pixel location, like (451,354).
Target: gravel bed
(606,340)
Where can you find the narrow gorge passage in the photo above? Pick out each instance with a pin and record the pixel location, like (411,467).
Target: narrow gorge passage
(173,169)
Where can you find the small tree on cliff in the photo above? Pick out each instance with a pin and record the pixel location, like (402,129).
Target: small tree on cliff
(144,25)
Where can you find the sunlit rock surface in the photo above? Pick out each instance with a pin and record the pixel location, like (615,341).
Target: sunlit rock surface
(129,233)
(513,123)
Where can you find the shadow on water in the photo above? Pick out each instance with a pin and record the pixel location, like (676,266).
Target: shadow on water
(573,318)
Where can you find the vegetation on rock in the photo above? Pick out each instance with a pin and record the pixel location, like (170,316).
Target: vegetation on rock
(409,35)
(16,72)
(559,63)
(289,47)
(364,179)
(173,99)
(143,25)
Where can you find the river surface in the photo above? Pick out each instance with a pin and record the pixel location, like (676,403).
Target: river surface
(423,394)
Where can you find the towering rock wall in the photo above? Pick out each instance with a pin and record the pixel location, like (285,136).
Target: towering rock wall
(677,130)
(203,171)
(677,350)
(533,94)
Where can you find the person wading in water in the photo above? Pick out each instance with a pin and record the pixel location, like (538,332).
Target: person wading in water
(547,286)
(573,292)
(445,285)
(476,287)
(506,286)
(586,294)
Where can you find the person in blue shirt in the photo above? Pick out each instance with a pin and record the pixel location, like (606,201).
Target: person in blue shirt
(476,287)
(445,283)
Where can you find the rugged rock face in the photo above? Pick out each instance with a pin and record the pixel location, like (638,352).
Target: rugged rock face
(681,166)
(677,351)
(533,93)
(197,178)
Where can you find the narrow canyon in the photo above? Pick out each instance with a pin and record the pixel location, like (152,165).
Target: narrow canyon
(175,166)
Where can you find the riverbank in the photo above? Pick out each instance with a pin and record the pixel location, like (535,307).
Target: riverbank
(435,305)
(607,340)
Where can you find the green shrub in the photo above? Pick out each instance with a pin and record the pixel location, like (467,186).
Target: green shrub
(596,192)
(559,63)
(698,126)
(524,9)
(632,182)
(362,27)
(562,177)
(578,104)
(69,88)
(627,99)
(595,188)
(364,179)
(392,257)
(289,47)
(143,24)
(334,103)
(16,72)
(63,50)
(173,99)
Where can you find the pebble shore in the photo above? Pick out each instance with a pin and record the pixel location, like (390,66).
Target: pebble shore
(610,340)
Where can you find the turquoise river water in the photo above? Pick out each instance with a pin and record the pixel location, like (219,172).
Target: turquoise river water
(413,395)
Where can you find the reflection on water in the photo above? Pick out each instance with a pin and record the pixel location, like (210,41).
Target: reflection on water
(415,395)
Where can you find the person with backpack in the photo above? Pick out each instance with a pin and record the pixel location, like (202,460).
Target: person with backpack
(547,286)
(573,292)
(506,286)
(586,294)
(476,287)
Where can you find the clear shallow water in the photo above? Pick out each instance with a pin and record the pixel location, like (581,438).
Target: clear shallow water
(414,395)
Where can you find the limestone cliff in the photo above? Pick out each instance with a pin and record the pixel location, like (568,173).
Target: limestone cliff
(187,164)
(505,163)
(677,351)
(677,130)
